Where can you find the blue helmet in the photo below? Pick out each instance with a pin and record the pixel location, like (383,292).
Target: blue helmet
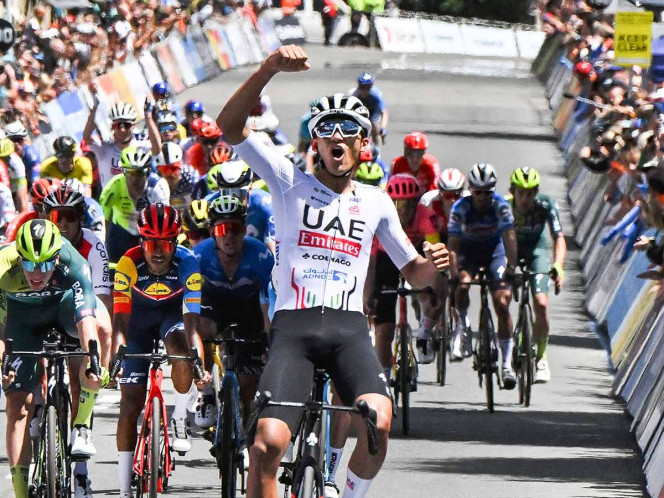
(366,78)
(194,106)
(161,89)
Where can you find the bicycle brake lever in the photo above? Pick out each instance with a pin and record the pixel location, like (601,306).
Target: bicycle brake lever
(115,364)
(370,417)
(93,352)
(196,362)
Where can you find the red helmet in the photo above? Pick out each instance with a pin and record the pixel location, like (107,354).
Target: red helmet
(41,188)
(583,68)
(209,130)
(416,140)
(366,155)
(195,126)
(220,154)
(159,221)
(403,186)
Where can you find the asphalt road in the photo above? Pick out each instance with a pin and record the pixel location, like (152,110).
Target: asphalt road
(574,440)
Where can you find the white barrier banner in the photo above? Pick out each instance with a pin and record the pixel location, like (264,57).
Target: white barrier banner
(180,56)
(137,84)
(252,41)
(399,35)
(529,43)
(488,42)
(441,37)
(238,44)
(150,68)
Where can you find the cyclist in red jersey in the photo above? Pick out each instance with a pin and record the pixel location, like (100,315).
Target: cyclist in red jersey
(450,190)
(417,162)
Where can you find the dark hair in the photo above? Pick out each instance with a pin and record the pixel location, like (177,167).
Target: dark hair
(656,178)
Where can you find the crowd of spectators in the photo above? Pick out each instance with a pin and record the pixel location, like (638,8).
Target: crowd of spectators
(623,108)
(56,50)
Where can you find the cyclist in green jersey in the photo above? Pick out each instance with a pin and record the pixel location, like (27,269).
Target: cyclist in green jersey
(532,213)
(47,284)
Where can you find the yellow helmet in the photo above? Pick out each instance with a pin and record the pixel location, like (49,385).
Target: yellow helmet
(6,147)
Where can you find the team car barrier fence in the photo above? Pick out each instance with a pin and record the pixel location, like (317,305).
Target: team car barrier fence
(626,311)
(183,60)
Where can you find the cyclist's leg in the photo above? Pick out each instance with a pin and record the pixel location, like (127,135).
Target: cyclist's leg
(340,423)
(431,309)
(105,332)
(387,276)
(501,294)
(250,365)
(288,375)
(357,375)
(540,287)
(23,325)
(467,270)
(172,334)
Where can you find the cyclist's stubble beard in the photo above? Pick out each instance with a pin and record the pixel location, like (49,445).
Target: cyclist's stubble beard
(339,158)
(159,262)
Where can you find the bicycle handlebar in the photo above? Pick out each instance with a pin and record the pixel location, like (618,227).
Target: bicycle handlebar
(404,291)
(52,354)
(361,408)
(155,358)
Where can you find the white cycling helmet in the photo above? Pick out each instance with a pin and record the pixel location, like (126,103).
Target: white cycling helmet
(482,176)
(340,105)
(451,180)
(15,129)
(123,112)
(171,153)
(74,184)
(270,122)
(166,117)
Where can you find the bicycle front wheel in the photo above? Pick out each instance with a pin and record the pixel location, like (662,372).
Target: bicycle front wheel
(155,447)
(486,326)
(404,377)
(526,353)
(52,451)
(227,461)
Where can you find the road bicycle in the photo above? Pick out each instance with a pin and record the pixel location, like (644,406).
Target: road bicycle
(51,475)
(524,355)
(485,347)
(404,379)
(443,335)
(153,461)
(229,439)
(305,474)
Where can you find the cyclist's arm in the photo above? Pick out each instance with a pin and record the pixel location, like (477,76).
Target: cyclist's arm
(125,277)
(556,230)
(191,280)
(233,117)
(509,240)
(153,134)
(453,244)
(90,123)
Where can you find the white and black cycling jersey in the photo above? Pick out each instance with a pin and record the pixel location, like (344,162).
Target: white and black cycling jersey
(323,239)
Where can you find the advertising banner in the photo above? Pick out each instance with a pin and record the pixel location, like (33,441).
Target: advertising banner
(220,48)
(529,43)
(150,67)
(237,43)
(199,38)
(441,37)
(269,37)
(289,31)
(488,42)
(252,41)
(180,57)
(399,35)
(169,67)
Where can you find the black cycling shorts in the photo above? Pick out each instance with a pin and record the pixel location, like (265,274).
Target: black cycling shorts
(303,340)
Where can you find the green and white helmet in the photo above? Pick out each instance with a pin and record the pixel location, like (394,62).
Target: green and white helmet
(38,240)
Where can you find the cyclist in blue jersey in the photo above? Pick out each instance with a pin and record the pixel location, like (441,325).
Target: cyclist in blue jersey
(372,97)
(481,234)
(234,178)
(236,271)
(29,154)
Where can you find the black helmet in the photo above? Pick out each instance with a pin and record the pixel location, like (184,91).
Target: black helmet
(64,146)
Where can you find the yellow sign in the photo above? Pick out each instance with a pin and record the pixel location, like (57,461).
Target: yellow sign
(633,38)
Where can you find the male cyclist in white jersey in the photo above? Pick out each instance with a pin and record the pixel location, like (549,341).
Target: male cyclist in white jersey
(325,224)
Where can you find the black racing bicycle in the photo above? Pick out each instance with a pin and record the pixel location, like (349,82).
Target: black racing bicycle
(229,440)
(485,347)
(524,354)
(51,476)
(443,337)
(405,371)
(304,476)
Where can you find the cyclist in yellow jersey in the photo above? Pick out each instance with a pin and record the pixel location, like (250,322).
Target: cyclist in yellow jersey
(65,164)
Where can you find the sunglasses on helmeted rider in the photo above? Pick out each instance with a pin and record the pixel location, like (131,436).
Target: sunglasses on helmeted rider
(135,172)
(348,128)
(169,169)
(66,215)
(451,196)
(122,125)
(164,246)
(230,227)
(43,267)
(165,128)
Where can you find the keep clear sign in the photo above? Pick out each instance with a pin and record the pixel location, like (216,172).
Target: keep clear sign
(633,38)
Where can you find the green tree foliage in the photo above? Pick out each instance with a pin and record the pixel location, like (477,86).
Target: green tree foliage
(499,10)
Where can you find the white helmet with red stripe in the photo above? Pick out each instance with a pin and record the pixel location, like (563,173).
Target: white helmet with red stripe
(451,179)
